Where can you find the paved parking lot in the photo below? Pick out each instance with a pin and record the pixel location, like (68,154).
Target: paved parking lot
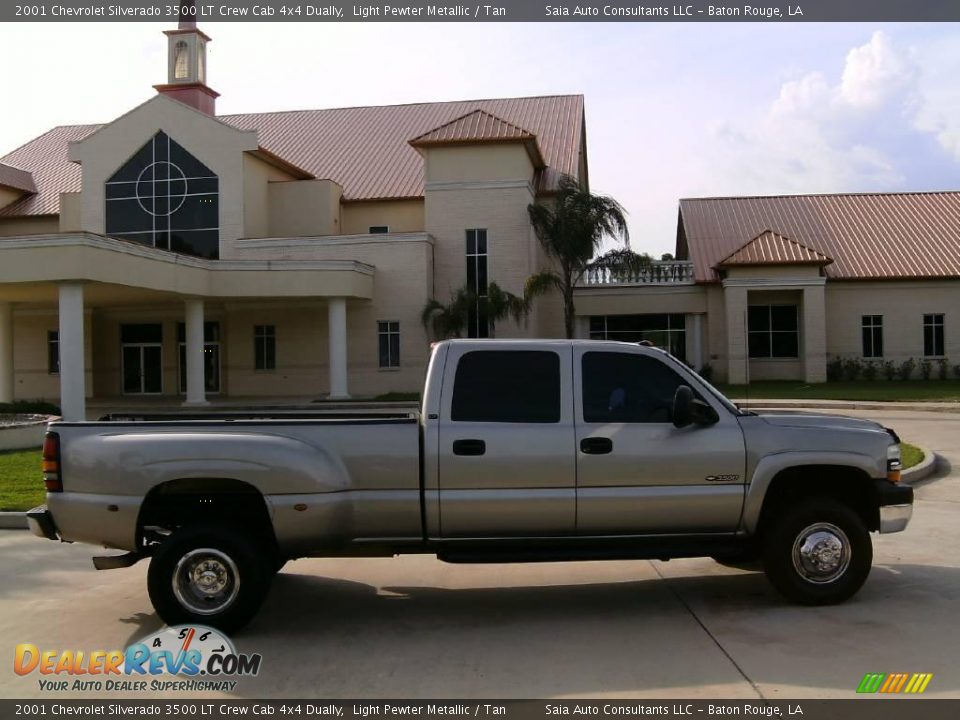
(414,627)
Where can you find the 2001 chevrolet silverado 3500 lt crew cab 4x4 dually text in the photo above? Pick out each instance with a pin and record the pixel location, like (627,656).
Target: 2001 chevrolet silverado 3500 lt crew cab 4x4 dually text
(523,451)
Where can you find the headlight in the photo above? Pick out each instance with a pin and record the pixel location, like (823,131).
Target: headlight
(893,463)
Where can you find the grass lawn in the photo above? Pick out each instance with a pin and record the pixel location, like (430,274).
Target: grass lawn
(21,482)
(910,455)
(877,390)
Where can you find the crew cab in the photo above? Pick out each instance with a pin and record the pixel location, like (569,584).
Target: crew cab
(522,451)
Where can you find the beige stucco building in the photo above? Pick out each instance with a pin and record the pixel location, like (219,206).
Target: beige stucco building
(180,255)
(174,255)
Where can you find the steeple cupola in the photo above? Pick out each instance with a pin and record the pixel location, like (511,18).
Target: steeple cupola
(187,66)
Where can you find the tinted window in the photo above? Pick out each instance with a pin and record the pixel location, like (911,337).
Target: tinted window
(516,386)
(620,387)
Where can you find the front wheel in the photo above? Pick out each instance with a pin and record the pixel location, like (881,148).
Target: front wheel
(817,552)
(209,575)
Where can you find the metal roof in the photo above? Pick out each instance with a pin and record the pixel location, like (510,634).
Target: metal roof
(364,149)
(770,248)
(481,127)
(875,235)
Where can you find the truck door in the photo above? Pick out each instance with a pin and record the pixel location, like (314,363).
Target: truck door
(636,472)
(506,442)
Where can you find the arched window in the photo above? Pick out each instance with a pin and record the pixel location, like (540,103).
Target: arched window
(202,63)
(165,198)
(181,61)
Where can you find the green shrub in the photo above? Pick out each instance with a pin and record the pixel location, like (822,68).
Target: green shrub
(925,369)
(956,371)
(706,372)
(942,366)
(29,407)
(851,369)
(905,370)
(889,369)
(835,369)
(870,370)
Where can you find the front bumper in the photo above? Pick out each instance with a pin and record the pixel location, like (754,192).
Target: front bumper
(41,524)
(895,503)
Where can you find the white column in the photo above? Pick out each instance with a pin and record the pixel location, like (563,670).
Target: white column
(193,336)
(814,335)
(337,341)
(6,353)
(735,299)
(73,403)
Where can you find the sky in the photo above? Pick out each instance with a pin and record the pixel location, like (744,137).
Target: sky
(673,110)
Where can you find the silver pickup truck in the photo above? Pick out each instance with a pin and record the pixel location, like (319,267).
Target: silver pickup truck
(523,451)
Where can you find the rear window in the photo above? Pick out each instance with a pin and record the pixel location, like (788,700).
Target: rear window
(510,386)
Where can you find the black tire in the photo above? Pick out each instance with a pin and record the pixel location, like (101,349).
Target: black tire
(817,552)
(224,560)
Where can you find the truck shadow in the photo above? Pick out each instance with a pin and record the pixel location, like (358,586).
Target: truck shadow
(349,639)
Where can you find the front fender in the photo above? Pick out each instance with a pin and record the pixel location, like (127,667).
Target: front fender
(771,465)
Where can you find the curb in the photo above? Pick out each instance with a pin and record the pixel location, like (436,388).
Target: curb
(808,405)
(924,470)
(13,521)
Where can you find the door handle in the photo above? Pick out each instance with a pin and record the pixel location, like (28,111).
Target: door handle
(469,447)
(596,446)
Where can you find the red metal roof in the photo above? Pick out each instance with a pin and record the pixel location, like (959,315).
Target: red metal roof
(878,235)
(770,248)
(364,149)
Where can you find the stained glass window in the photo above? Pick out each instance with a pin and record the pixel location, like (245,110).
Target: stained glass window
(165,198)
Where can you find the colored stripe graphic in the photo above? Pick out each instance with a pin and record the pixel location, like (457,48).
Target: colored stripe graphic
(892,683)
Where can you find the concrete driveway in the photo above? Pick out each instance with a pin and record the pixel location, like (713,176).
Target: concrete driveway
(413,627)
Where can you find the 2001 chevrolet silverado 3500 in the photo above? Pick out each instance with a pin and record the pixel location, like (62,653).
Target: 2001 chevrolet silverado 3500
(523,451)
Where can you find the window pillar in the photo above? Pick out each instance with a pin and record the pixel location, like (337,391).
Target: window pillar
(337,342)
(6,353)
(814,334)
(72,371)
(735,299)
(194,340)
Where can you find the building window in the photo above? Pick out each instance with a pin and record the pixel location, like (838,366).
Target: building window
(165,198)
(667,331)
(627,388)
(53,352)
(872,331)
(181,61)
(202,63)
(388,340)
(773,331)
(507,386)
(477,325)
(379,229)
(264,347)
(933,335)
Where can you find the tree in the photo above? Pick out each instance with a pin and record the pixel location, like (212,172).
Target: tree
(571,231)
(450,320)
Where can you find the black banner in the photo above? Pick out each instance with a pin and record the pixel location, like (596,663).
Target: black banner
(505,11)
(859,709)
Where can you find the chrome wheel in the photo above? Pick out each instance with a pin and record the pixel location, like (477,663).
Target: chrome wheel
(206,581)
(821,553)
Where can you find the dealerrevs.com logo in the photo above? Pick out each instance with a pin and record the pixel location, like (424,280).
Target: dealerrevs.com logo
(183,657)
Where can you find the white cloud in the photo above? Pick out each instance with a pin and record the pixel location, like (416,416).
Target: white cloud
(818,135)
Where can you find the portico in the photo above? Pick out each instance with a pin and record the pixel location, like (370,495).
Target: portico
(99,289)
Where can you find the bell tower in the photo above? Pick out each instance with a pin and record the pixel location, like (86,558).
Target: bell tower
(187,65)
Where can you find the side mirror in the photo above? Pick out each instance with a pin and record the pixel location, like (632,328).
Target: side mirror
(687,410)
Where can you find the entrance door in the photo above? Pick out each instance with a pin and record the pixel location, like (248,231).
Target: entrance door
(141,348)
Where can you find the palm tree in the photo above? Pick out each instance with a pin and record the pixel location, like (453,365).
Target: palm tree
(571,231)
(449,321)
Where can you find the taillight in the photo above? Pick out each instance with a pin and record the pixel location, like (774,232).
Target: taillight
(51,463)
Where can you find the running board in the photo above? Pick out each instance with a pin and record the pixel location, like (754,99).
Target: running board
(112,562)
